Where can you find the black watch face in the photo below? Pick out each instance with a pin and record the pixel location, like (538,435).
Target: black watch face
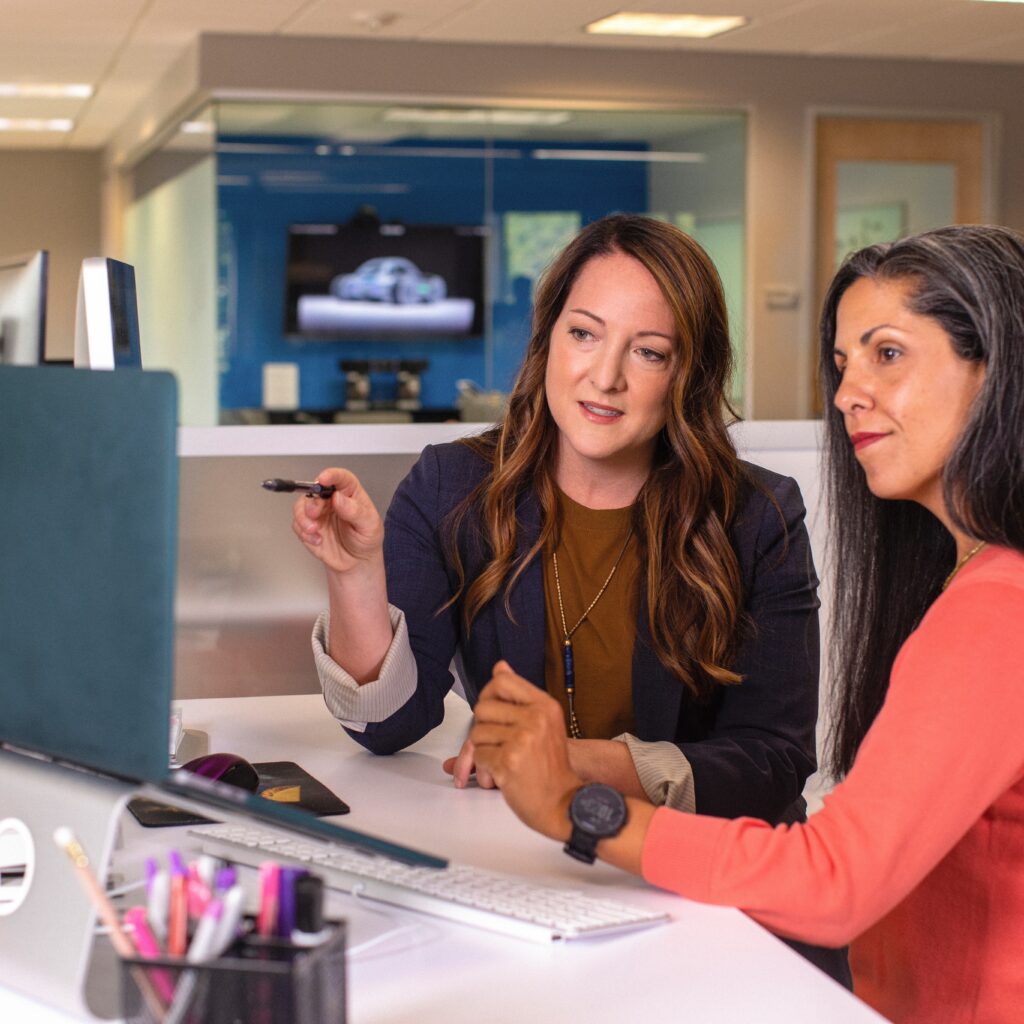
(599,810)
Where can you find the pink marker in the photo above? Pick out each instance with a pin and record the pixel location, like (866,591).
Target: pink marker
(147,946)
(270,891)
(199,893)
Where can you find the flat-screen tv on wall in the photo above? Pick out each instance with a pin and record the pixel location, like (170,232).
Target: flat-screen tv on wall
(384,280)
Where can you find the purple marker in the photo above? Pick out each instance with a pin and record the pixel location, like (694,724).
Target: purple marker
(226,878)
(286,901)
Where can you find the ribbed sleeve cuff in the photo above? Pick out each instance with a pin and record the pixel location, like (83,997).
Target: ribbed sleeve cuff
(664,772)
(357,705)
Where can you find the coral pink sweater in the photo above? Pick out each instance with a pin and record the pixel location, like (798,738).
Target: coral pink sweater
(918,855)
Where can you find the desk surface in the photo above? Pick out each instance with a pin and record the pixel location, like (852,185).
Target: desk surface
(708,964)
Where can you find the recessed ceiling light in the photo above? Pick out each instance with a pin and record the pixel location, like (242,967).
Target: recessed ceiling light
(374,20)
(691,26)
(507,115)
(36,124)
(196,128)
(45,90)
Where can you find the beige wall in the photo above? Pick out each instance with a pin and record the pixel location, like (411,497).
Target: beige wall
(50,199)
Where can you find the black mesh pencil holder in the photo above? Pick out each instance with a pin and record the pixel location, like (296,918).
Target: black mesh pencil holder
(257,981)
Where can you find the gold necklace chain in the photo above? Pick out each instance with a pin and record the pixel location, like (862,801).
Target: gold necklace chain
(568,669)
(963,561)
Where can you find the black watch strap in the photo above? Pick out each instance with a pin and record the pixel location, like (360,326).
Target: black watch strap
(582,845)
(597,812)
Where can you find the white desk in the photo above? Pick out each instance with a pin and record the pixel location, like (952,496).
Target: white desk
(710,964)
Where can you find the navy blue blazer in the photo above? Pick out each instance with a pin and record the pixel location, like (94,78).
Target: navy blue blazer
(751,747)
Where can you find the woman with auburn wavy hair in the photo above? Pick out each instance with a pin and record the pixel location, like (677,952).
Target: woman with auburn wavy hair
(606,541)
(917,858)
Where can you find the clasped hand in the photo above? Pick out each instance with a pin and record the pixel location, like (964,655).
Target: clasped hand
(518,742)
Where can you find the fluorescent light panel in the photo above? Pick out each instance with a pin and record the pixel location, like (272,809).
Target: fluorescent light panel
(45,90)
(689,26)
(443,115)
(647,156)
(36,124)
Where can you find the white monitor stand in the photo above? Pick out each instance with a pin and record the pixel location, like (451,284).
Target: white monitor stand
(48,928)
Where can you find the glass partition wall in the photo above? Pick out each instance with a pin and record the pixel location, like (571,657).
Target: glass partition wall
(377,261)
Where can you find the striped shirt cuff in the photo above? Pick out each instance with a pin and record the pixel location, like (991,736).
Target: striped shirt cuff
(664,772)
(354,705)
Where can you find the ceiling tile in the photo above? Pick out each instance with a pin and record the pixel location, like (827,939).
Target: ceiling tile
(411,18)
(126,45)
(951,30)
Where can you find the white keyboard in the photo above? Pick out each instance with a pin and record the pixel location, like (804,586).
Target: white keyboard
(472,896)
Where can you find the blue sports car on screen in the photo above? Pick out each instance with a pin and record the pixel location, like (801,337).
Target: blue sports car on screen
(389,279)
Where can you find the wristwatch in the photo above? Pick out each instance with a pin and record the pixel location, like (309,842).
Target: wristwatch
(597,812)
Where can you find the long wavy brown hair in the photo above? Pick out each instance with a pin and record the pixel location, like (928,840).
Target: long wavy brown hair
(683,513)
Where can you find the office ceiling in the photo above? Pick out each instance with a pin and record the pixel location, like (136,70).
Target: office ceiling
(122,47)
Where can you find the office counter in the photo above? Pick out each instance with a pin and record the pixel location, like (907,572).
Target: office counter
(710,964)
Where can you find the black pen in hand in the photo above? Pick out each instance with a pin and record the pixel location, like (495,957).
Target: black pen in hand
(312,488)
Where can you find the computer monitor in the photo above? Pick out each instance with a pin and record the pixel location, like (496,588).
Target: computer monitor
(23,308)
(87,585)
(107,319)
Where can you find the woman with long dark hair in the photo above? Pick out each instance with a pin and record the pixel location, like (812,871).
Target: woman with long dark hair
(605,540)
(918,854)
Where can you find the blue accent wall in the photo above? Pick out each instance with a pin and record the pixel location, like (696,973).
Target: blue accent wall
(266,184)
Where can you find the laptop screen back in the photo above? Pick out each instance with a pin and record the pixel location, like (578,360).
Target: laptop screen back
(88,528)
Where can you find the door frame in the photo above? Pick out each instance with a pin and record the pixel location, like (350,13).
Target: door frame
(964,141)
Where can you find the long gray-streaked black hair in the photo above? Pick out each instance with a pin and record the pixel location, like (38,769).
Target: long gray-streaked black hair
(891,557)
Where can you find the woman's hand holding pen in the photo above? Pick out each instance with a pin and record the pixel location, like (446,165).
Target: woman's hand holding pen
(344,531)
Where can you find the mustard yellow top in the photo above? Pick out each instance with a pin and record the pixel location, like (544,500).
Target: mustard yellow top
(590,542)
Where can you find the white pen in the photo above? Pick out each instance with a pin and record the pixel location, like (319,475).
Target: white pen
(157,898)
(208,866)
(202,945)
(231,917)
(200,948)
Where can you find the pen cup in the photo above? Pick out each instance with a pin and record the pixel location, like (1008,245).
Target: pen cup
(257,981)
